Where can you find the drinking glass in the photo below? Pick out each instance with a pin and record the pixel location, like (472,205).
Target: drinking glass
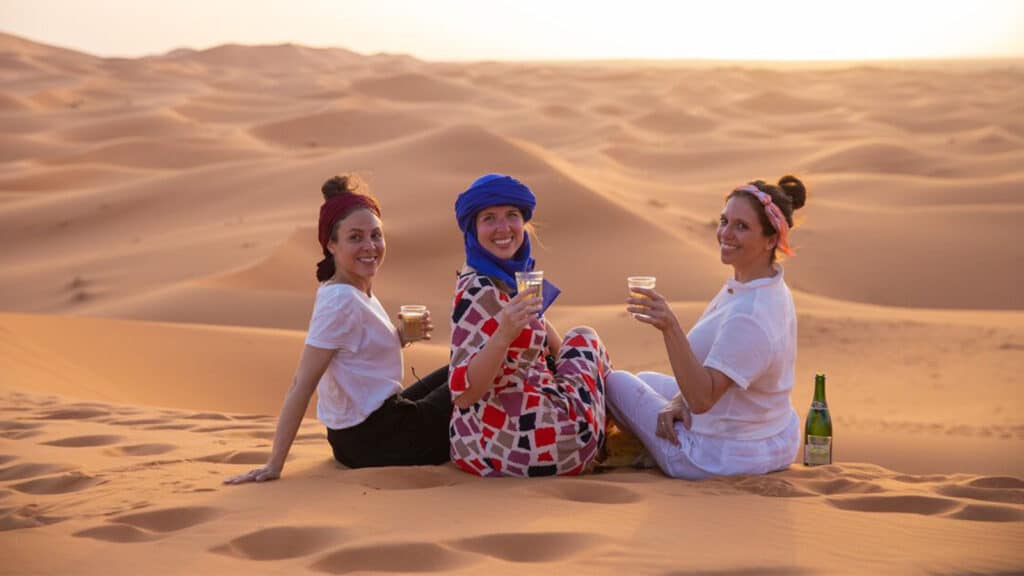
(640,282)
(413,318)
(530,282)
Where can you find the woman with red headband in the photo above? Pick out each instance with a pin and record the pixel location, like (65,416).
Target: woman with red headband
(353,355)
(727,409)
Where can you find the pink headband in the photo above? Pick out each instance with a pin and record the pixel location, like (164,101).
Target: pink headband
(774,214)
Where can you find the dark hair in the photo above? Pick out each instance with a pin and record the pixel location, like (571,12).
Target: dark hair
(789,195)
(337,186)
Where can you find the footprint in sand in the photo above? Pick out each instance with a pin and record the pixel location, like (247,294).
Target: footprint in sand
(146,526)
(5,458)
(140,450)
(240,428)
(63,484)
(988,513)
(17,430)
(119,533)
(170,426)
(589,492)
(138,421)
(843,486)
(169,519)
(25,517)
(86,441)
(997,482)
(530,546)
(989,489)
(74,413)
(768,486)
(281,542)
(269,419)
(249,457)
(394,557)
(905,504)
(30,470)
(206,416)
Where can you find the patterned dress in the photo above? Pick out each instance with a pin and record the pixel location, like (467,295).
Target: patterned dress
(532,422)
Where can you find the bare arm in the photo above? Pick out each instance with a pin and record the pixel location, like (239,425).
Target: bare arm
(312,365)
(701,387)
(483,368)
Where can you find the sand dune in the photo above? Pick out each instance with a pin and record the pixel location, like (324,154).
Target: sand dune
(77,177)
(356,126)
(171,154)
(412,87)
(776,102)
(160,124)
(272,58)
(675,122)
(156,280)
(874,157)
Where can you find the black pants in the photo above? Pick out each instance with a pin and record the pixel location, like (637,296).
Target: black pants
(409,429)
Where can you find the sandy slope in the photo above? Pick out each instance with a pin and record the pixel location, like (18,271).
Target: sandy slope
(157,274)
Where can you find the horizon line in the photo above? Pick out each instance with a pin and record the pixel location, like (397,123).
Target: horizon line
(973,58)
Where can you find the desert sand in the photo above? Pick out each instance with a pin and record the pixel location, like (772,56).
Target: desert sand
(157,219)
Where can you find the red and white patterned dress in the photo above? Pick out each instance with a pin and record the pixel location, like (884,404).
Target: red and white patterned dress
(532,422)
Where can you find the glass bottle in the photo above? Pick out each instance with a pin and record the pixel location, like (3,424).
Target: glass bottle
(818,428)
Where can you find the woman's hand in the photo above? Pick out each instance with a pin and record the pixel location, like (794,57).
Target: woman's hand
(264,474)
(653,309)
(428,328)
(516,315)
(675,410)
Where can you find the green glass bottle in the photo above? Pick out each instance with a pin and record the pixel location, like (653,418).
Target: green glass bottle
(818,428)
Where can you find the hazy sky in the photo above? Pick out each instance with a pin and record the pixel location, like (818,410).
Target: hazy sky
(537,29)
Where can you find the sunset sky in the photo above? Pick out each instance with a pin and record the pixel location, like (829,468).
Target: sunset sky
(537,29)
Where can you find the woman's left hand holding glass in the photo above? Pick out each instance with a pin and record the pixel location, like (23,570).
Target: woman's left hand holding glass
(425,329)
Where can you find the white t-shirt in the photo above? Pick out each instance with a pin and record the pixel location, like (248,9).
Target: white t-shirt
(748,333)
(367,368)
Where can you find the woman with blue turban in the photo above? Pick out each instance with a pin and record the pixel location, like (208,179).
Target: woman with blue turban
(514,415)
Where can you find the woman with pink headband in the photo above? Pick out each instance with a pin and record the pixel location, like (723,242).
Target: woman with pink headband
(726,410)
(353,355)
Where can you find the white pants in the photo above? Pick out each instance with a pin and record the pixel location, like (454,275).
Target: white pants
(635,401)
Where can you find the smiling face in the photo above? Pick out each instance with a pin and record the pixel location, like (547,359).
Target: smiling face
(499,229)
(358,248)
(741,238)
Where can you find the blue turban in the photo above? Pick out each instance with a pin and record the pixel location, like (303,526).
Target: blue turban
(498,190)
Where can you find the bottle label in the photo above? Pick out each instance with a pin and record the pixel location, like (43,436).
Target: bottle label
(817,450)
(815,405)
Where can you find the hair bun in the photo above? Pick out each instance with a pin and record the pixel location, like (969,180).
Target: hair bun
(341,184)
(794,188)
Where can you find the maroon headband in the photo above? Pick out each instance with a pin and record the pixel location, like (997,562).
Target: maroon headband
(338,207)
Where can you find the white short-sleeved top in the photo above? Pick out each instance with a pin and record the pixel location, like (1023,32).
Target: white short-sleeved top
(748,333)
(367,367)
